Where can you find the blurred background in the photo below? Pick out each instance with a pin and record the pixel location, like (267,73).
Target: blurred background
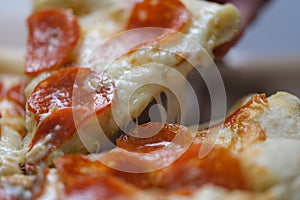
(266,59)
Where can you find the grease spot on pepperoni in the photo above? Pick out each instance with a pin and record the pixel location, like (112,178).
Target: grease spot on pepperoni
(72,87)
(53,35)
(171,14)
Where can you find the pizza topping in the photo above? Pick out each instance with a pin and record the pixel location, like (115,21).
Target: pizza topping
(183,176)
(56,128)
(152,136)
(53,35)
(219,167)
(72,87)
(85,178)
(70,92)
(171,14)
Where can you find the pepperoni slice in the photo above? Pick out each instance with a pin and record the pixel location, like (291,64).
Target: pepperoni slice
(190,172)
(59,126)
(184,176)
(171,14)
(53,35)
(84,178)
(72,87)
(152,136)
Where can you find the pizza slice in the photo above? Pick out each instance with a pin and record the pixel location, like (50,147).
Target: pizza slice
(122,76)
(255,156)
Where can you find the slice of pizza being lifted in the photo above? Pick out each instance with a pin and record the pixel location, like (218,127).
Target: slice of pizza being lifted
(114,82)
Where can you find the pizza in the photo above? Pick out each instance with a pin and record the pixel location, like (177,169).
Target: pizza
(89,64)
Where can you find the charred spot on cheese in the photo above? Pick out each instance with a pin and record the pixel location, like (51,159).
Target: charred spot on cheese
(72,87)
(152,136)
(53,35)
